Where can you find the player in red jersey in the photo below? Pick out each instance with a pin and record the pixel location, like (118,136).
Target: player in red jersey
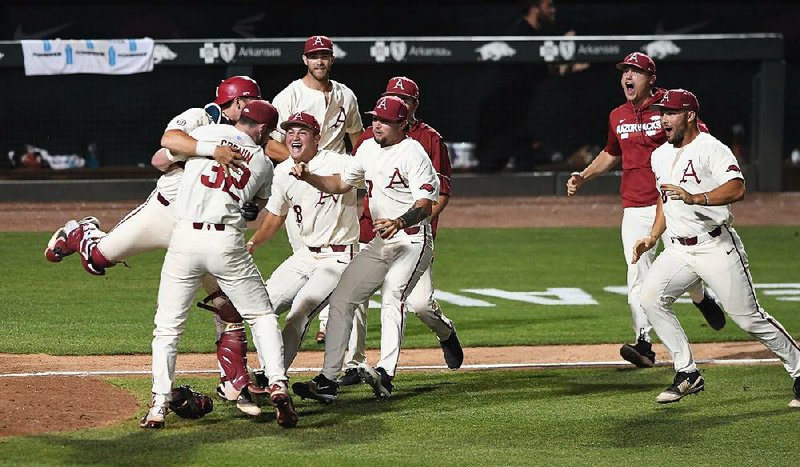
(634,131)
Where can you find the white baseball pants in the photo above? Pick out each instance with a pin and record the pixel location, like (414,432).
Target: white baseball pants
(302,284)
(636,224)
(394,266)
(420,302)
(146,228)
(722,263)
(191,254)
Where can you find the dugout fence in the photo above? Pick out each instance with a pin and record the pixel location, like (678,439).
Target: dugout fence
(739,80)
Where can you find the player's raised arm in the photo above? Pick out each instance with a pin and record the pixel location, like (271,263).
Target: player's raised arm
(600,165)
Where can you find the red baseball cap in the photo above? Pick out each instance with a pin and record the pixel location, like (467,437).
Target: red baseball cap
(262,112)
(640,61)
(402,86)
(301,119)
(318,44)
(678,99)
(390,108)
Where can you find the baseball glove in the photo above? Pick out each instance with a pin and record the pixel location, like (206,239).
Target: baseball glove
(249,211)
(187,403)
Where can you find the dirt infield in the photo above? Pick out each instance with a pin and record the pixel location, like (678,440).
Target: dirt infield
(543,211)
(31,407)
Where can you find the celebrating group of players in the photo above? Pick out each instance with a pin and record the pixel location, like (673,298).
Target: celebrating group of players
(217,175)
(218,163)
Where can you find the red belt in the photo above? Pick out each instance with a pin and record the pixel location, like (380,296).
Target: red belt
(689,241)
(201,225)
(412,230)
(334,248)
(161,199)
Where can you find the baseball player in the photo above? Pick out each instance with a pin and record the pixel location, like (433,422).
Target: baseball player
(329,230)
(699,178)
(420,301)
(634,131)
(332,104)
(150,225)
(209,239)
(402,186)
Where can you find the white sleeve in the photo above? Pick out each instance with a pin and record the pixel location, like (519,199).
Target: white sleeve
(353,173)
(283,104)
(265,189)
(189,120)
(278,203)
(422,179)
(723,164)
(354,123)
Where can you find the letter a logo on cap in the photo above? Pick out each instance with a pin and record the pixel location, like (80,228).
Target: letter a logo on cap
(382,105)
(318,40)
(399,84)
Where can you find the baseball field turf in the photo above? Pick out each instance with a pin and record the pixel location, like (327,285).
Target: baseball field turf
(501,287)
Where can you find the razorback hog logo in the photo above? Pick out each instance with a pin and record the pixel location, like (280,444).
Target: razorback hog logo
(397,179)
(494,51)
(427,187)
(733,168)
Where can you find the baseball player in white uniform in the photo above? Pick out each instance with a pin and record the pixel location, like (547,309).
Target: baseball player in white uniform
(150,225)
(402,185)
(634,131)
(332,104)
(209,239)
(328,229)
(699,178)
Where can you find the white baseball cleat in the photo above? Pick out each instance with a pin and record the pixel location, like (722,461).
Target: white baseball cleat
(154,418)
(683,385)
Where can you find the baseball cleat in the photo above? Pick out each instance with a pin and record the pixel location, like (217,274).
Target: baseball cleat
(351,377)
(683,385)
(246,404)
(154,418)
(320,337)
(641,354)
(795,403)
(453,353)
(377,378)
(320,388)
(285,414)
(712,312)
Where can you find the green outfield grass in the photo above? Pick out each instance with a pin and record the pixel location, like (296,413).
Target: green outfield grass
(59,309)
(537,417)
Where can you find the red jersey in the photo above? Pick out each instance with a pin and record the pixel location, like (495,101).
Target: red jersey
(431,141)
(633,134)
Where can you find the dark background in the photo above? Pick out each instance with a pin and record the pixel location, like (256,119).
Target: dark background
(125,115)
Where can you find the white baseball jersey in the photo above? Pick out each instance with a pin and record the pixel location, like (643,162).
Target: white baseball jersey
(717,258)
(323,219)
(337,116)
(208,194)
(698,167)
(394,176)
(186,122)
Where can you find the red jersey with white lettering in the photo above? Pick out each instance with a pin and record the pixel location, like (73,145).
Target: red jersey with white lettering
(633,134)
(434,146)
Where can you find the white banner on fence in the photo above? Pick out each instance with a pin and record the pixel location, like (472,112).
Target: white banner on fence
(107,57)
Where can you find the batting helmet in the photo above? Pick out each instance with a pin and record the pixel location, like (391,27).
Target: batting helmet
(237,86)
